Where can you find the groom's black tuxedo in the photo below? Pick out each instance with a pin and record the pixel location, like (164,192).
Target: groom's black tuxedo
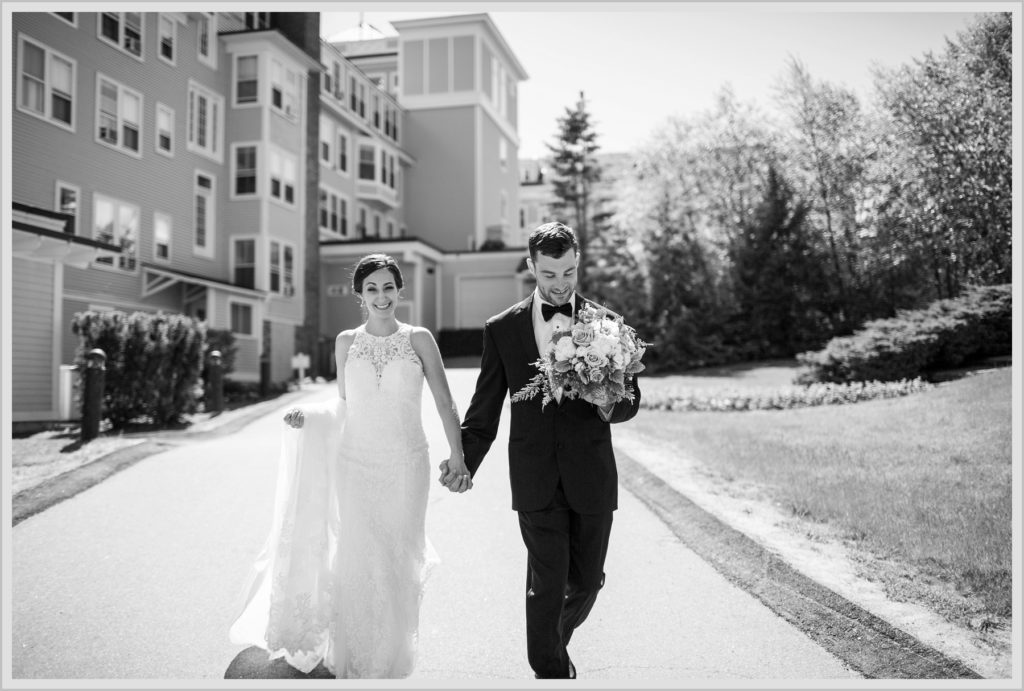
(567,441)
(564,484)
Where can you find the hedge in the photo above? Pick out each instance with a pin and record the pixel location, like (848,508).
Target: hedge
(153,365)
(946,334)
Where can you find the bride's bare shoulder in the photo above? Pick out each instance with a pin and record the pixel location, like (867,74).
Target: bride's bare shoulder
(346,337)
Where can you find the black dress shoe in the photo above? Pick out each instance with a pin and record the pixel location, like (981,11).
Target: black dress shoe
(572,673)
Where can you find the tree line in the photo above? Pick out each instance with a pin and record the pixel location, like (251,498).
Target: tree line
(738,235)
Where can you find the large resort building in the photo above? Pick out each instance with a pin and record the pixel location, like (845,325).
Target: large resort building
(233,167)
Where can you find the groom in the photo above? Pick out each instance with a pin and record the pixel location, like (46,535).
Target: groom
(561,463)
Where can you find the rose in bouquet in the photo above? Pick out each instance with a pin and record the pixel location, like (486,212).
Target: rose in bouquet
(593,361)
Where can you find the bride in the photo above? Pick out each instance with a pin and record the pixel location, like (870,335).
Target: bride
(341,575)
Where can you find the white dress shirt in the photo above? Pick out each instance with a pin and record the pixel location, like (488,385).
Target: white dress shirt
(543,330)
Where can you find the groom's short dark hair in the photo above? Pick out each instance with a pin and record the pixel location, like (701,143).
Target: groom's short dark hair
(553,239)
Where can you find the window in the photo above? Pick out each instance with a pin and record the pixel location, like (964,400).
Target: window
(339,91)
(66,202)
(391,229)
(168,33)
(118,115)
(391,172)
(383,167)
(122,30)
(325,80)
(246,79)
(69,17)
(116,223)
(367,170)
(353,98)
(343,153)
(284,87)
(376,111)
(324,209)
(376,225)
(206,41)
(362,101)
(282,176)
(282,267)
(289,270)
(361,228)
(257,20)
(205,215)
(46,83)
(333,211)
(522,218)
(205,121)
(164,130)
(161,237)
(245,170)
(244,262)
(326,135)
(241,319)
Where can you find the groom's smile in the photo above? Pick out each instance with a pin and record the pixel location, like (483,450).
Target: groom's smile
(556,276)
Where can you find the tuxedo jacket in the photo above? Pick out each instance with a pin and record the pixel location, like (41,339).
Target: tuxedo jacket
(568,440)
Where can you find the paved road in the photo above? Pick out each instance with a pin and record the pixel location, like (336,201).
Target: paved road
(138,577)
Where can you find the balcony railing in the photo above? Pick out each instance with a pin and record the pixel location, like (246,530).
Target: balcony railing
(371,191)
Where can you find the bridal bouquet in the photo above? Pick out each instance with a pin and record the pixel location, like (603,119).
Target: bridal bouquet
(592,361)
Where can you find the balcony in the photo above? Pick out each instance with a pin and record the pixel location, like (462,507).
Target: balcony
(377,193)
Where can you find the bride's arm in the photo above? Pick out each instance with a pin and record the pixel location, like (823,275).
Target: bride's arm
(433,370)
(295,417)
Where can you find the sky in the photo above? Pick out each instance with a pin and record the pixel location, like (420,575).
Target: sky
(640,63)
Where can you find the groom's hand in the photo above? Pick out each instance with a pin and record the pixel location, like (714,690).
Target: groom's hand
(454,481)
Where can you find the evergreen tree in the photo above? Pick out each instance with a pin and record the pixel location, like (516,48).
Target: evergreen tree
(778,275)
(576,171)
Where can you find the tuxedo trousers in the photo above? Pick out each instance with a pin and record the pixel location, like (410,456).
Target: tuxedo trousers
(564,572)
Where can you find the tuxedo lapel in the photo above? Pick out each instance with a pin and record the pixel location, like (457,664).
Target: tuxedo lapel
(524,325)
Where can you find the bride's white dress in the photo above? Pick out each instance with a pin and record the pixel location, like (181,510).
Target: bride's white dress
(341,575)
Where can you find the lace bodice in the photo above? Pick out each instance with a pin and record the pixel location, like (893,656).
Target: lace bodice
(381,350)
(384,388)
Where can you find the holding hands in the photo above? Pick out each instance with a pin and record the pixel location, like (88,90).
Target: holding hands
(455,476)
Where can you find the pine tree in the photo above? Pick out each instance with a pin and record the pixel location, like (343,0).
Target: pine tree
(576,171)
(778,276)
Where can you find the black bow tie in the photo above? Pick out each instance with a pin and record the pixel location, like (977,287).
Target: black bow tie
(550,310)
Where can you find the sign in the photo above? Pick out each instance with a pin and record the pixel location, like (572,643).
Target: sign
(337,290)
(300,361)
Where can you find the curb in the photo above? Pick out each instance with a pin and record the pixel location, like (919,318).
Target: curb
(868,644)
(53,491)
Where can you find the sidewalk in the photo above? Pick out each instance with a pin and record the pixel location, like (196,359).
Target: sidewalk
(54,490)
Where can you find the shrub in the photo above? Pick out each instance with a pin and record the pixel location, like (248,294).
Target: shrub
(153,363)
(947,333)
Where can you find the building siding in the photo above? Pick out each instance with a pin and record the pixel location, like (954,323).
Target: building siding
(442,195)
(32,339)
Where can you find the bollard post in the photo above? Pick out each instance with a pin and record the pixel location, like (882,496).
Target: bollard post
(215,386)
(92,395)
(264,376)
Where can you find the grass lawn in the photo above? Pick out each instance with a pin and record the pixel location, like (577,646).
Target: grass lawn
(923,480)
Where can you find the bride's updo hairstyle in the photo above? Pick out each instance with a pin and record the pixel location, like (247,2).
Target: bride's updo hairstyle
(375,262)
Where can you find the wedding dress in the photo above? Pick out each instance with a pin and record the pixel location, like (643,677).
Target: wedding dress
(341,575)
